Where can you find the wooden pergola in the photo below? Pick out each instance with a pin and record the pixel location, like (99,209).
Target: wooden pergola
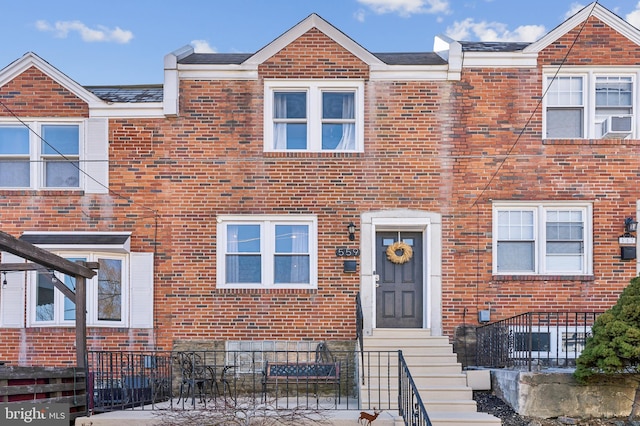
(43,260)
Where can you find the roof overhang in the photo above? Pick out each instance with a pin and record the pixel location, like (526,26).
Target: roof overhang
(95,241)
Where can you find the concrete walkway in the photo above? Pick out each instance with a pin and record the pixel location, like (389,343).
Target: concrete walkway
(150,417)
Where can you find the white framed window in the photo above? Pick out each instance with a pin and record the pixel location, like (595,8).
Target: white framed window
(317,115)
(120,295)
(591,105)
(54,154)
(562,341)
(106,292)
(256,251)
(542,238)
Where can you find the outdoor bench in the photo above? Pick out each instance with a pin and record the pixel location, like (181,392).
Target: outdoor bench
(301,374)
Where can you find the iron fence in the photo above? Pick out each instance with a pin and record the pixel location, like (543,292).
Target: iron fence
(534,340)
(308,376)
(123,379)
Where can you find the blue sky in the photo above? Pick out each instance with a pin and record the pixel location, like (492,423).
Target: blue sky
(121,42)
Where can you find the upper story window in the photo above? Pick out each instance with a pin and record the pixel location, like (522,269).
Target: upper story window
(55,154)
(531,238)
(591,106)
(43,155)
(313,116)
(267,251)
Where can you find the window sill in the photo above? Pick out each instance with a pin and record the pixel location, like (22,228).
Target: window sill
(312,154)
(592,142)
(543,278)
(42,192)
(265,290)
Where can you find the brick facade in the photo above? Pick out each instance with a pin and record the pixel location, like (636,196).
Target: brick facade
(443,146)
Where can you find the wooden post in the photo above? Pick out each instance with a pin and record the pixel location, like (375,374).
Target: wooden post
(81,322)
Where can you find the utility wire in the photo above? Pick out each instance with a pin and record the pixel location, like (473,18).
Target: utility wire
(512,147)
(73,163)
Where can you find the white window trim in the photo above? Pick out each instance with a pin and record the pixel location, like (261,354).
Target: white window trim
(589,89)
(314,111)
(92,293)
(35,150)
(539,235)
(267,267)
(555,341)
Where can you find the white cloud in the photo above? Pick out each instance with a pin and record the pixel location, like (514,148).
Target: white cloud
(634,17)
(407,7)
(62,29)
(573,9)
(202,46)
(493,31)
(359,15)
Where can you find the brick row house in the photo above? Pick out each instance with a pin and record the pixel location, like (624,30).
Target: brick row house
(218,204)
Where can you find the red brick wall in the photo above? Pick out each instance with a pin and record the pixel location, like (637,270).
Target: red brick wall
(494,106)
(34,94)
(432,146)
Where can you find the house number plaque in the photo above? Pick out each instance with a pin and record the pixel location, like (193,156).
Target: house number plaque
(347,252)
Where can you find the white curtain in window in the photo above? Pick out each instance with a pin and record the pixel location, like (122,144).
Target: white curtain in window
(348,140)
(280,129)
(299,269)
(232,261)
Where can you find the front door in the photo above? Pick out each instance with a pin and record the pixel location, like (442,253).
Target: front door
(399,292)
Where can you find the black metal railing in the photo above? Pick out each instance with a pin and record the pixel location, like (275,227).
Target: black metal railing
(410,403)
(534,340)
(313,378)
(360,332)
(124,379)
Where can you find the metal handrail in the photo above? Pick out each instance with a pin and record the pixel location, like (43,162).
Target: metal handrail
(360,332)
(410,403)
(534,340)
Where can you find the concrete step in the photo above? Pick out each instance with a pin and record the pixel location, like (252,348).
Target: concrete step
(422,379)
(393,333)
(434,367)
(410,359)
(448,418)
(467,406)
(427,393)
(407,350)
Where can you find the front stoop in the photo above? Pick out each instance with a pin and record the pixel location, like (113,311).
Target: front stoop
(442,384)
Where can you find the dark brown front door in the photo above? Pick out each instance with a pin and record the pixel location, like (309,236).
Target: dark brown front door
(399,292)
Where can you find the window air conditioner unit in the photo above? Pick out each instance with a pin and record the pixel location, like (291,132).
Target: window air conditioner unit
(617,127)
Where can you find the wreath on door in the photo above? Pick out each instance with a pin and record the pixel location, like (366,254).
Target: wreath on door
(402,247)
